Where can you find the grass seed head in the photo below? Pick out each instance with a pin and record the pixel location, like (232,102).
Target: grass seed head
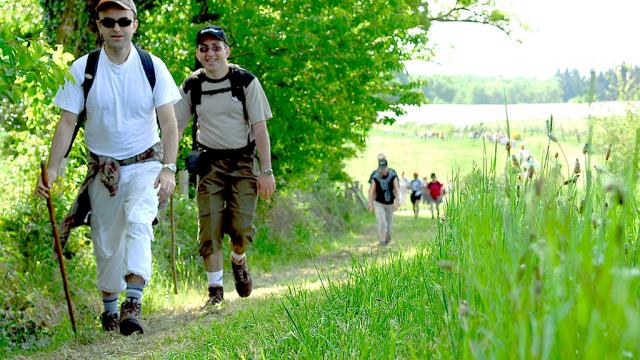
(463,308)
(514,160)
(607,153)
(576,167)
(552,137)
(615,187)
(445,265)
(530,171)
(586,148)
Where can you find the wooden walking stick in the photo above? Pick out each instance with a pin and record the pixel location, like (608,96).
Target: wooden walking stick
(173,247)
(56,244)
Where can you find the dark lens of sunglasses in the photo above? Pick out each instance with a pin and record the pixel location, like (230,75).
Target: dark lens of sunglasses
(205,49)
(109,22)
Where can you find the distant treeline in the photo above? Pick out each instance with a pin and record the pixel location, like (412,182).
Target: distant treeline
(565,86)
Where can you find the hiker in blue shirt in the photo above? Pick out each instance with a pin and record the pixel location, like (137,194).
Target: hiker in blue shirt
(416,185)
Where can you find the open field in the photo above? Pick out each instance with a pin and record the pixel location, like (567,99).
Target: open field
(408,152)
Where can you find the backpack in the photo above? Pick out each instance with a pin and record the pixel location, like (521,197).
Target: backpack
(90,71)
(239,79)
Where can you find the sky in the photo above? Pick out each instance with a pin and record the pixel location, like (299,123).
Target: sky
(574,34)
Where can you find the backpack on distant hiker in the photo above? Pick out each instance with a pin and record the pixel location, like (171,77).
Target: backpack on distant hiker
(239,79)
(90,70)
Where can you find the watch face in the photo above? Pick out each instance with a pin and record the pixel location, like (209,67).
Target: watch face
(268,172)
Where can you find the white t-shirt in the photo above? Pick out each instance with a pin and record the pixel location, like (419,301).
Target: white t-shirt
(121,118)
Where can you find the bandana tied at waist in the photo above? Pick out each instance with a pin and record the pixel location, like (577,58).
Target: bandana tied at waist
(107,170)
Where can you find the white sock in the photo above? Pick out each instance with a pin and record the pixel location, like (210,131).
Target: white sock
(238,258)
(215,278)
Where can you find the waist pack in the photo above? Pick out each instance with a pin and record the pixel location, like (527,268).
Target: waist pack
(198,160)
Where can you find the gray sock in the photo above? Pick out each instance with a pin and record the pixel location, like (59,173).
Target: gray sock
(134,290)
(110,303)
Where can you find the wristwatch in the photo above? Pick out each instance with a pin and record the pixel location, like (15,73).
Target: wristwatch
(267,172)
(171,167)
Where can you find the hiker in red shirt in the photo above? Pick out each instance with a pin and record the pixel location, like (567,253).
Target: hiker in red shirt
(436,192)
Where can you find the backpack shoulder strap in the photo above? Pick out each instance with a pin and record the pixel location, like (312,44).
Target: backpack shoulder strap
(240,80)
(90,70)
(147,65)
(193,86)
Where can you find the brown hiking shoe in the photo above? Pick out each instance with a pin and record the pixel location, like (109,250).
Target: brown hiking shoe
(242,278)
(130,317)
(109,321)
(216,296)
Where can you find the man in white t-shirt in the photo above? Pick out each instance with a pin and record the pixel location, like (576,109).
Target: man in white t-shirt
(130,168)
(231,112)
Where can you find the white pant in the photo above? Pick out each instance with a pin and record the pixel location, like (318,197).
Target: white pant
(121,225)
(384,217)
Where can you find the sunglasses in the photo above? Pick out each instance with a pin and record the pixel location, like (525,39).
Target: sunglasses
(109,22)
(205,49)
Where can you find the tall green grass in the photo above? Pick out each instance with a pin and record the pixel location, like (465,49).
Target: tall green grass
(546,269)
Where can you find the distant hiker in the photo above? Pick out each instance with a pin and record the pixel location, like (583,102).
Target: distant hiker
(230,112)
(416,187)
(403,183)
(383,199)
(130,168)
(436,191)
(525,158)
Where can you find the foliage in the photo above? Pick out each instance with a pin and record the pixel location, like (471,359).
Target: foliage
(613,84)
(465,89)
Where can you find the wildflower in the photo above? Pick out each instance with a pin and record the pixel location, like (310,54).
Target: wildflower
(576,168)
(607,153)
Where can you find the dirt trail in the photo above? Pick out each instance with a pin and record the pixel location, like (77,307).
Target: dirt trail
(163,328)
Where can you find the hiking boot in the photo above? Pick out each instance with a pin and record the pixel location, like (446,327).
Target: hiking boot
(109,321)
(216,296)
(242,278)
(130,317)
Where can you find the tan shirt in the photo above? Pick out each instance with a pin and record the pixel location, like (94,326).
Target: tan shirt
(221,123)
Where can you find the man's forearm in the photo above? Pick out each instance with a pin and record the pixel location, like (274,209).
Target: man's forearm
(263,143)
(169,127)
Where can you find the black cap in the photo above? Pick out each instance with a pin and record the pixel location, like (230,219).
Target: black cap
(382,163)
(213,31)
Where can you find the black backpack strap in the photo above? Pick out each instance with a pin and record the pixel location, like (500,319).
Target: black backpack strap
(147,65)
(240,79)
(193,85)
(90,70)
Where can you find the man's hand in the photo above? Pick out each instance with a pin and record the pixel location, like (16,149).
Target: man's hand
(266,186)
(42,189)
(166,180)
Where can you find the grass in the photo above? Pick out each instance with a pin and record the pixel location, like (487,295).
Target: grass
(520,267)
(409,153)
